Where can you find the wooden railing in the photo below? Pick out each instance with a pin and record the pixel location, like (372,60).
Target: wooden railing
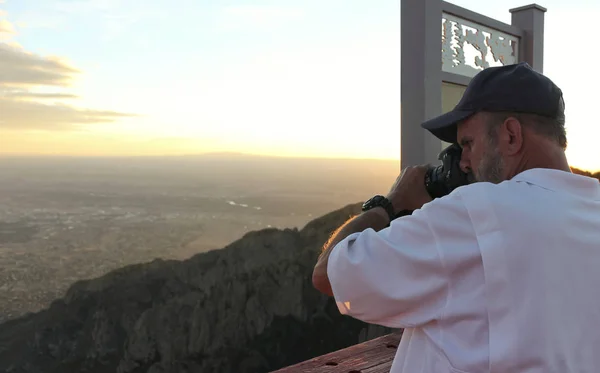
(374,356)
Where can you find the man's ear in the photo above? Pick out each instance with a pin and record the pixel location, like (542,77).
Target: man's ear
(512,135)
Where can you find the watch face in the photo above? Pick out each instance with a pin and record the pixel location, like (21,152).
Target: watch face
(371,202)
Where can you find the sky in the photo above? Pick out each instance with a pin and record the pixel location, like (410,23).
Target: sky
(316,78)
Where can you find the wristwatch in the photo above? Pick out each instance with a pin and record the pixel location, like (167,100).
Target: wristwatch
(378,201)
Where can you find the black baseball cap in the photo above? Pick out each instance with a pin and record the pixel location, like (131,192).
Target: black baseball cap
(513,88)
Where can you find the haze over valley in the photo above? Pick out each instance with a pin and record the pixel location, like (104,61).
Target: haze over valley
(66,218)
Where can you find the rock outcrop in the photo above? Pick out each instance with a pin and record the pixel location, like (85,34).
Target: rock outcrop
(249,307)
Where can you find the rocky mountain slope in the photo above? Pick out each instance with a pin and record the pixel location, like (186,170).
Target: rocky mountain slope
(249,307)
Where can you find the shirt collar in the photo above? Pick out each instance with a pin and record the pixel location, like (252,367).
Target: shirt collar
(563,181)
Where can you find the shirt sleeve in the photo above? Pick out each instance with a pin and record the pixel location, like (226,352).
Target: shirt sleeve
(397,277)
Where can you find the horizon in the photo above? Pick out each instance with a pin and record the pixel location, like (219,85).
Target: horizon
(239,154)
(207,154)
(108,78)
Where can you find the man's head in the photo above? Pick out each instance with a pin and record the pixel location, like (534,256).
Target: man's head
(498,145)
(510,118)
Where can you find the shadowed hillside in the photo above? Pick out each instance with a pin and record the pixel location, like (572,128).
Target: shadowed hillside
(249,307)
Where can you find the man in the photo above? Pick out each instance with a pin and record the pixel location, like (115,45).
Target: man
(498,276)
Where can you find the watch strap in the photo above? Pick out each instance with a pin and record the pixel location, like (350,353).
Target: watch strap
(381,201)
(403,213)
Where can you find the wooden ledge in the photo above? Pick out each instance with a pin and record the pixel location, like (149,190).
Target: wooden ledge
(374,356)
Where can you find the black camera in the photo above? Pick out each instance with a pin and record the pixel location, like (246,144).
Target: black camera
(442,180)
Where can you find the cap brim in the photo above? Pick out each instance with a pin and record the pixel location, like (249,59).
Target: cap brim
(444,126)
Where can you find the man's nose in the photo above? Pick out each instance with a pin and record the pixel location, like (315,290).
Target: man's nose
(465,165)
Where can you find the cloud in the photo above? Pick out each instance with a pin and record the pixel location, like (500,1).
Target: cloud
(19,67)
(37,95)
(32,93)
(40,19)
(6,27)
(27,115)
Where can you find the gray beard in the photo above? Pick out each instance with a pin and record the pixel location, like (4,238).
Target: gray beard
(491,168)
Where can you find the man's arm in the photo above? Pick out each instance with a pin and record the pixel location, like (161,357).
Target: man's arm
(376,218)
(407,193)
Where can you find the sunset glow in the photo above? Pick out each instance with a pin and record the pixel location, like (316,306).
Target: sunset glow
(308,79)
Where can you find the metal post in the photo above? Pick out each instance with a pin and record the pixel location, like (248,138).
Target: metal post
(530,19)
(421,77)
(421,65)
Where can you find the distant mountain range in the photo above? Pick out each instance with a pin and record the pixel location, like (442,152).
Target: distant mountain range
(226,156)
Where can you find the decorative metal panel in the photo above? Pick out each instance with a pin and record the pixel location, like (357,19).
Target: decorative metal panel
(469,47)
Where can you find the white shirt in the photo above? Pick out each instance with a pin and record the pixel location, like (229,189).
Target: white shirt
(491,278)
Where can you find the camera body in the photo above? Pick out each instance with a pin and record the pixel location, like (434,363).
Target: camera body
(443,179)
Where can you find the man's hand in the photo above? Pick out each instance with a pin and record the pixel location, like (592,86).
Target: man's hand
(409,192)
